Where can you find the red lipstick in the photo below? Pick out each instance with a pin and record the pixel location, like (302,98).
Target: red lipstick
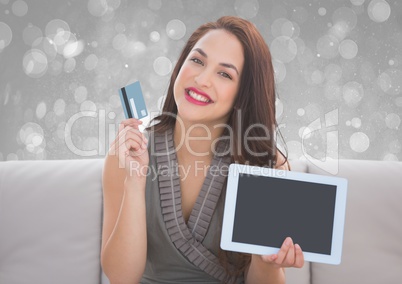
(197,92)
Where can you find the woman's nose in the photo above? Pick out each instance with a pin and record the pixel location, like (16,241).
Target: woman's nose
(203,79)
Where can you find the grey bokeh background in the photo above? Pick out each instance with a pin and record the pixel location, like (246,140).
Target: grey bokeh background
(338,69)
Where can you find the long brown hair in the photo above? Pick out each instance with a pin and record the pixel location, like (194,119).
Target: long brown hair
(253,113)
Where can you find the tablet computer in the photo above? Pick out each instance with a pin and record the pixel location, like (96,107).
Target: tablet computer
(263,206)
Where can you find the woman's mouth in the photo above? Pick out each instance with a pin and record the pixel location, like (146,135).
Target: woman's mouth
(197,98)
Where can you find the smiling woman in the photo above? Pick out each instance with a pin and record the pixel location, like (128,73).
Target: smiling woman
(209,78)
(162,225)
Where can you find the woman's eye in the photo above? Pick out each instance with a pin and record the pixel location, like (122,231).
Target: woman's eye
(226,75)
(196,60)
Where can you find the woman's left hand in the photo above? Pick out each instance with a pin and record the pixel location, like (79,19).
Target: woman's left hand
(289,255)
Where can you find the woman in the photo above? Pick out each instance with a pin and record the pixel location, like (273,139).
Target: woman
(163,202)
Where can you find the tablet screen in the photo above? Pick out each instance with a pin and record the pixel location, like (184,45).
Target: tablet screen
(280,208)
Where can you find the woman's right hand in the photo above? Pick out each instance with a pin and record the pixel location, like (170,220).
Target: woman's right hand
(131,147)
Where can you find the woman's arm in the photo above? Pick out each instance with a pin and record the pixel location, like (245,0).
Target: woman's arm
(124,239)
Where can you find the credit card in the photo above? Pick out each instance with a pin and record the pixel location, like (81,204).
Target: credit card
(133,101)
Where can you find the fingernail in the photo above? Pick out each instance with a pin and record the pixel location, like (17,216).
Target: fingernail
(288,241)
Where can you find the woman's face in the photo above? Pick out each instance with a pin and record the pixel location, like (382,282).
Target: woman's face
(207,84)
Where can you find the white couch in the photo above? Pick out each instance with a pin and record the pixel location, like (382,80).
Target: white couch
(50,223)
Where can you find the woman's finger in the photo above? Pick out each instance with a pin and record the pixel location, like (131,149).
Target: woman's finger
(284,250)
(132,122)
(133,140)
(290,256)
(299,260)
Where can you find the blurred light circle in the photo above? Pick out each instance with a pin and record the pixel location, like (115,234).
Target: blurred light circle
(359,142)
(29,131)
(282,27)
(247,9)
(390,81)
(379,10)
(113,4)
(88,106)
(352,93)
(59,107)
(55,26)
(299,15)
(348,123)
(111,115)
(30,34)
(356,122)
(154,4)
(340,30)
(317,77)
(348,49)
(35,63)
(176,29)
(300,112)
(91,62)
(328,46)
(322,11)
(41,110)
(162,66)
(283,48)
(333,72)
(73,49)
(119,41)
(395,146)
(392,120)
(19,8)
(280,70)
(37,140)
(97,8)
(346,15)
(80,94)
(61,39)
(133,48)
(154,36)
(357,2)
(47,45)
(55,67)
(6,35)
(69,65)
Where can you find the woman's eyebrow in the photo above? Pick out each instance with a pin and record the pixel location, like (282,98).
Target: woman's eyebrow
(227,65)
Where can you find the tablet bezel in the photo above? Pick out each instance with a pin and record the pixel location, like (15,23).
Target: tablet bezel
(230,206)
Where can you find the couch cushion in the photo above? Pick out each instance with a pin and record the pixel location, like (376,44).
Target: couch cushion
(50,221)
(372,250)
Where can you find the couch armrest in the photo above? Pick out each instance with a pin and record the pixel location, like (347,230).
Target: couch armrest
(372,250)
(50,221)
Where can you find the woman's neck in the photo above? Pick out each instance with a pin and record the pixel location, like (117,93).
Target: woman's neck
(195,141)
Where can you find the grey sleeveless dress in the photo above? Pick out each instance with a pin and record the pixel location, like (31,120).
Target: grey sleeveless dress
(178,252)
